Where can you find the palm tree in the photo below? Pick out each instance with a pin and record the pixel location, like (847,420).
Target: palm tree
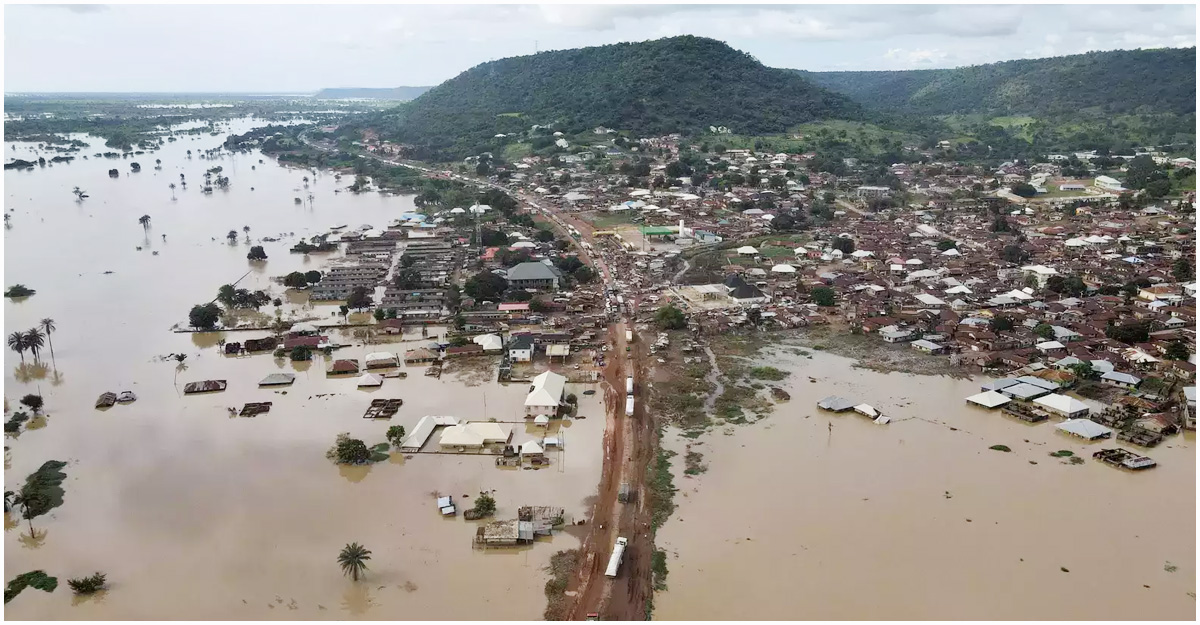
(172,186)
(232,236)
(145,221)
(48,326)
(246,229)
(34,339)
(353,560)
(16,341)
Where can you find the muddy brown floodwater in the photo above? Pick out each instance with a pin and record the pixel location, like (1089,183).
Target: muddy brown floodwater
(195,515)
(915,520)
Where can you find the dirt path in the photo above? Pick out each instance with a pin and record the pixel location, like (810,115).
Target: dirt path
(714,378)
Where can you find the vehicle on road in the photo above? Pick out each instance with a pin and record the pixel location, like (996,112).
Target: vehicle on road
(614,561)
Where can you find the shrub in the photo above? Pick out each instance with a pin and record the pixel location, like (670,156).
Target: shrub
(88,585)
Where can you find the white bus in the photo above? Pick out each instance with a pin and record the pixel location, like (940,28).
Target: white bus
(614,561)
(629,405)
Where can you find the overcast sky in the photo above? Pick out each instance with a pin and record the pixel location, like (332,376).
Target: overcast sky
(302,48)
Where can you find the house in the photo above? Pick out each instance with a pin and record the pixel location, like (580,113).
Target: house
(520,348)
(1063,405)
(545,394)
(491,343)
(928,346)
(419,355)
(1109,184)
(1120,380)
(534,275)
(475,435)
(896,335)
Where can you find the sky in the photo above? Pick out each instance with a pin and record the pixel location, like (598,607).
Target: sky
(303,48)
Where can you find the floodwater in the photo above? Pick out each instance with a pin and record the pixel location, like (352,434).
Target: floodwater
(196,515)
(914,520)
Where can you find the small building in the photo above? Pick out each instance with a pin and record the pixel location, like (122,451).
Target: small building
(491,343)
(520,348)
(989,399)
(558,351)
(342,366)
(369,380)
(1063,405)
(545,394)
(833,403)
(1085,428)
(534,275)
(1120,380)
(928,346)
(420,355)
(896,335)
(1023,391)
(376,360)
(532,450)
(278,379)
(475,435)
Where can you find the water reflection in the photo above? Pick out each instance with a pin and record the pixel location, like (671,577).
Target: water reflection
(28,372)
(33,540)
(357,599)
(97,598)
(205,340)
(354,473)
(10,520)
(36,423)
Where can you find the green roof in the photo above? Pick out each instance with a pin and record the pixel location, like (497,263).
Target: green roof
(659,230)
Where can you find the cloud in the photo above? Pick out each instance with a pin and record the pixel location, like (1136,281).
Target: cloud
(918,57)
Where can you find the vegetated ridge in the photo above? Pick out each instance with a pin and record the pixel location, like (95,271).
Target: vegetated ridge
(679,84)
(1120,81)
(403,94)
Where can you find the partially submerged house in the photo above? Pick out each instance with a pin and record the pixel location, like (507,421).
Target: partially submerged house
(545,394)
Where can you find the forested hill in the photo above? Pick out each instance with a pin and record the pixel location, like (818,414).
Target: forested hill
(385,93)
(1118,82)
(680,84)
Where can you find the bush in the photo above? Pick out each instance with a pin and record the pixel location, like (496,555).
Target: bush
(823,296)
(485,505)
(204,316)
(395,435)
(88,585)
(572,399)
(670,318)
(33,402)
(1000,448)
(768,373)
(257,253)
(312,276)
(348,450)
(295,280)
(301,353)
(19,290)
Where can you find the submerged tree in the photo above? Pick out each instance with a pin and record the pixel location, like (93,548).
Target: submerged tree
(145,221)
(34,340)
(172,187)
(48,327)
(353,560)
(16,342)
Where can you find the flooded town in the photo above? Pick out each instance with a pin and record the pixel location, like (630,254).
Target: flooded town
(269,360)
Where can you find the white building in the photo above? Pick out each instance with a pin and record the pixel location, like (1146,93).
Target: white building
(545,394)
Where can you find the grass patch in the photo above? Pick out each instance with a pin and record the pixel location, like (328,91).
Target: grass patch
(1062,453)
(768,373)
(1003,448)
(693,460)
(658,568)
(562,564)
(662,488)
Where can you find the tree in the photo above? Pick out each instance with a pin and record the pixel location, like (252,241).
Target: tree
(295,280)
(485,505)
(88,585)
(172,187)
(407,279)
(145,221)
(301,353)
(823,296)
(34,340)
(1182,269)
(16,342)
(1083,371)
(1000,224)
(1002,323)
(312,276)
(844,244)
(1014,253)
(1178,350)
(492,238)
(583,274)
(1129,333)
(360,298)
(379,314)
(407,261)
(204,316)
(1023,189)
(1066,285)
(538,306)
(33,402)
(485,286)
(1044,330)
(257,253)
(19,290)
(353,560)
(48,327)
(395,435)
(946,245)
(544,236)
(670,318)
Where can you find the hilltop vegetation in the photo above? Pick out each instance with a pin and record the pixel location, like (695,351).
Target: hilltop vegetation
(402,94)
(680,84)
(1118,82)
(1099,100)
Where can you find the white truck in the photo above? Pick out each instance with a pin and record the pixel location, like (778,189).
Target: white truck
(629,336)
(629,385)
(614,561)
(629,405)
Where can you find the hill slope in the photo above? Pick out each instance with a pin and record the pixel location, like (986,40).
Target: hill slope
(680,84)
(386,93)
(1110,82)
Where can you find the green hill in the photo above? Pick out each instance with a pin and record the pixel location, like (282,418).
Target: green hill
(386,93)
(1118,82)
(680,84)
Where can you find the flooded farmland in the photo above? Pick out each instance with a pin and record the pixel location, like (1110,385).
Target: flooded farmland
(196,515)
(815,515)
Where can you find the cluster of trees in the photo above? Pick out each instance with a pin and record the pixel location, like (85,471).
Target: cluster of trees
(1067,285)
(1129,333)
(485,286)
(242,298)
(33,340)
(670,318)
(299,280)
